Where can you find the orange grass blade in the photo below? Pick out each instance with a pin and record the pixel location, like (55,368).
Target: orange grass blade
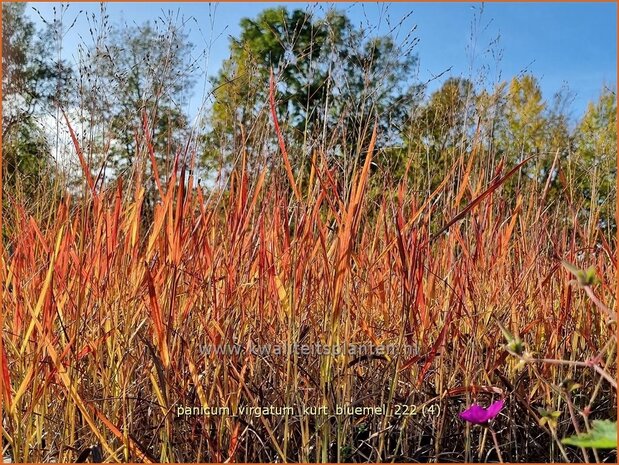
(352,218)
(160,216)
(254,200)
(72,390)
(234,442)
(434,349)
(37,231)
(44,290)
(151,152)
(6,379)
(494,186)
(91,347)
(280,139)
(133,447)
(80,154)
(157,317)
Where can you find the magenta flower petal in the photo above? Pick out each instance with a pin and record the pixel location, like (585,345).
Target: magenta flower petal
(478,415)
(495,408)
(475,414)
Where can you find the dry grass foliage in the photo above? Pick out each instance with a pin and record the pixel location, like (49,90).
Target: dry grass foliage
(106,311)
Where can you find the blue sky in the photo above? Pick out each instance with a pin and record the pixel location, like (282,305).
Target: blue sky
(563,44)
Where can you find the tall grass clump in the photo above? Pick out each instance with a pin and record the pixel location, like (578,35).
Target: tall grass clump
(118,291)
(106,317)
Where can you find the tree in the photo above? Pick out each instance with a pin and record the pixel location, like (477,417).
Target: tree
(30,85)
(373,86)
(130,72)
(524,111)
(595,160)
(524,125)
(295,46)
(329,74)
(439,132)
(532,127)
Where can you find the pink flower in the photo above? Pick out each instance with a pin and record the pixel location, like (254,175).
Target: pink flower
(478,415)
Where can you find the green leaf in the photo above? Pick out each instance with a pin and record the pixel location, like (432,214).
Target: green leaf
(603,435)
(591,276)
(570,385)
(514,344)
(550,417)
(509,337)
(571,268)
(583,277)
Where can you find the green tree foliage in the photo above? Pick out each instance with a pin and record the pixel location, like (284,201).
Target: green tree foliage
(292,44)
(329,75)
(131,71)
(516,122)
(439,132)
(30,85)
(595,161)
(524,113)
(530,126)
